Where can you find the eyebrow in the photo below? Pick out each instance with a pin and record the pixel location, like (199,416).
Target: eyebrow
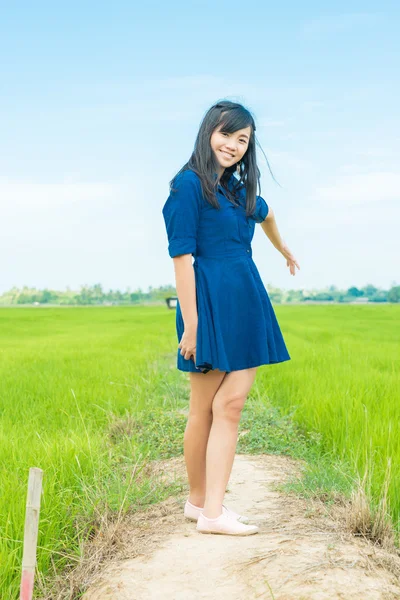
(222,130)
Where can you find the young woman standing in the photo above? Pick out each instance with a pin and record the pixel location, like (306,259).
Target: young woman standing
(225,323)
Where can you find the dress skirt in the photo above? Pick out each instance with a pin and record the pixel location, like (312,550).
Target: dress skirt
(237,327)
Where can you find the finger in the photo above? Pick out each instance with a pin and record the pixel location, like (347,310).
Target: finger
(295,262)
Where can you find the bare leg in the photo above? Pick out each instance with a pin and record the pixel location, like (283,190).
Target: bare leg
(203,390)
(226,408)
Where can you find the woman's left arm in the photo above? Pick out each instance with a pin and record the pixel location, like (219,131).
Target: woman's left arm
(270,228)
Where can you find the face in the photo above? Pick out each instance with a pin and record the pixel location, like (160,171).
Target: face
(229,148)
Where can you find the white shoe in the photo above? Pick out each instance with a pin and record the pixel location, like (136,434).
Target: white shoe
(192,512)
(225,525)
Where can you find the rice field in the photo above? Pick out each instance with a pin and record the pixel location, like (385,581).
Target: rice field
(70,377)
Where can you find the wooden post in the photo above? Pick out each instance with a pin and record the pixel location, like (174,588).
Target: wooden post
(31,532)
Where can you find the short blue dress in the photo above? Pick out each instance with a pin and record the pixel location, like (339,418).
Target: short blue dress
(237,327)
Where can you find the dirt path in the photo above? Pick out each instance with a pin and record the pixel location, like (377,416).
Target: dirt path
(302,551)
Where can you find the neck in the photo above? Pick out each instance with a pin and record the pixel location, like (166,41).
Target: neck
(219,173)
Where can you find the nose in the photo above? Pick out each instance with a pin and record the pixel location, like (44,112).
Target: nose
(231,146)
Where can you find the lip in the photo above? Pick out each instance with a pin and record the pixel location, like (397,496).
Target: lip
(226,154)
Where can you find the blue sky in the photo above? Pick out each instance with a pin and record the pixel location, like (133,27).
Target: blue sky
(101,104)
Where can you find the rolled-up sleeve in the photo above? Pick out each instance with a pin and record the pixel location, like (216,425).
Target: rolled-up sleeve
(261,210)
(181,213)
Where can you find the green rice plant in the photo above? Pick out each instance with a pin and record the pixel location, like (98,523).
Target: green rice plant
(92,394)
(65,374)
(343,382)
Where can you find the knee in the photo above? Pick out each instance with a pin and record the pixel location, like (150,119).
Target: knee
(228,408)
(199,415)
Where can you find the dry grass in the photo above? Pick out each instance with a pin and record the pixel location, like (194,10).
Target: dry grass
(116,537)
(375,525)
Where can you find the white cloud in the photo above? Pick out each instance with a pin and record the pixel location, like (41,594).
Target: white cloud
(17,196)
(376,152)
(354,189)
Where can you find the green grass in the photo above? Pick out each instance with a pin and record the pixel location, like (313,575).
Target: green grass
(66,377)
(88,393)
(344,383)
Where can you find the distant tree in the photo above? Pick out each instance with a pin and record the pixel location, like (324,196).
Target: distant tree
(135,297)
(324,297)
(295,296)
(47,296)
(369,290)
(355,292)
(380,296)
(276,296)
(24,298)
(97,293)
(394,294)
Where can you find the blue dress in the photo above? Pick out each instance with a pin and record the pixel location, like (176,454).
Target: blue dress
(237,327)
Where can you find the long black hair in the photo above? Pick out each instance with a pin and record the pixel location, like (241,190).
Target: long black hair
(228,117)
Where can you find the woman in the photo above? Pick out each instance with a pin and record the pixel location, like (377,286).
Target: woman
(225,322)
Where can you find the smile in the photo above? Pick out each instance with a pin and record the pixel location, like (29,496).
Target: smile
(226,154)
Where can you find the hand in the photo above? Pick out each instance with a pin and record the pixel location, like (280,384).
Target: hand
(291,262)
(188,344)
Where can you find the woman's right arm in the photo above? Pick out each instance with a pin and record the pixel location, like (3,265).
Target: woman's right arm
(182,216)
(186,292)
(186,289)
